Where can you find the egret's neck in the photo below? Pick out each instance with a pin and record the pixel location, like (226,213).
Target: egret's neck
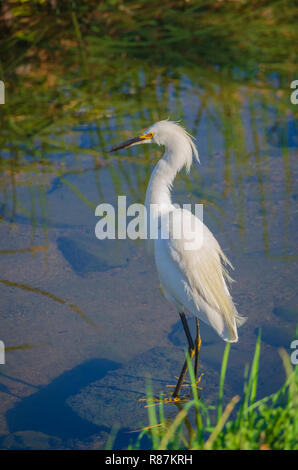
(160,185)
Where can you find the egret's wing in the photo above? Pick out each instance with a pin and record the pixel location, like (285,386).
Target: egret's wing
(197,258)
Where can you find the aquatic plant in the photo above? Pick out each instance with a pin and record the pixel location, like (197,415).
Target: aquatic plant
(246,423)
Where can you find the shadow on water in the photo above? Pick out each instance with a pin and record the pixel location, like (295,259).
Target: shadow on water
(90,255)
(44,420)
(45,411)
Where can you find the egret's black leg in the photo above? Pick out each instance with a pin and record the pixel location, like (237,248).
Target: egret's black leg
(191,350)
(198,347)
(186,329)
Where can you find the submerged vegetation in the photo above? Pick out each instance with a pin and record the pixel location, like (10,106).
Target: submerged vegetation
(246,423)
(237,33)
(65,61)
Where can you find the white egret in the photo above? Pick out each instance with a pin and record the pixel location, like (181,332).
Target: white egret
(194,279)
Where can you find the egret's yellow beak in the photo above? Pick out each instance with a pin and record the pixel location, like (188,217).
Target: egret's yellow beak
(131,142)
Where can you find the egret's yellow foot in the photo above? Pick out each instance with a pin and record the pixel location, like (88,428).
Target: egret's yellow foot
(152,401)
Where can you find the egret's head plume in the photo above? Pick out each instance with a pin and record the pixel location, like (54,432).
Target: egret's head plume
(179,143)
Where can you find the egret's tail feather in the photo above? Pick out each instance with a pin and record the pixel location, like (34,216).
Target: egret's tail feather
(210,283)
(231,329)
(240,320)
(232,337)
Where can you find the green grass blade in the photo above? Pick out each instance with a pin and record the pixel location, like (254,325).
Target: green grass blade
(253,379)
(222,380)
(154,431)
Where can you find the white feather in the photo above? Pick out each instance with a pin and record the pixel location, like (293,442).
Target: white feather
(193,279)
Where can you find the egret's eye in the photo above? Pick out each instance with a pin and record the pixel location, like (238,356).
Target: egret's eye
(149,135)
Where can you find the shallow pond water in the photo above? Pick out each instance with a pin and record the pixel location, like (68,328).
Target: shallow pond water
(83,321)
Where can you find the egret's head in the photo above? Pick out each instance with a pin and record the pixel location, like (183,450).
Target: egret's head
(167,133)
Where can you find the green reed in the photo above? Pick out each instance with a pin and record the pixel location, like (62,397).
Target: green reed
(246,423)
